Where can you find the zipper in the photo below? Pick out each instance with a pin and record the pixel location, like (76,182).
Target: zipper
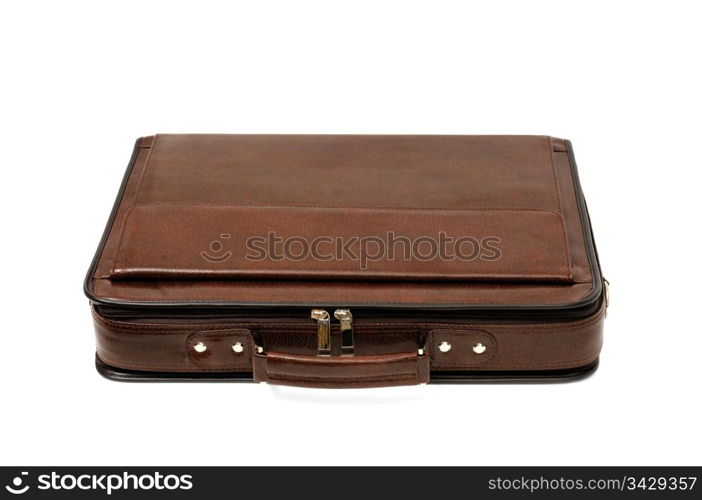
(344,315)
(345,318)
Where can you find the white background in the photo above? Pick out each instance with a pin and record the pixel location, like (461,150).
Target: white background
(80,81)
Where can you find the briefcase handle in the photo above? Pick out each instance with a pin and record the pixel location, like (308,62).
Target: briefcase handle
(409,368)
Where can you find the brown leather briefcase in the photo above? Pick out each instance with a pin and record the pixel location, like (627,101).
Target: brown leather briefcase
(348,261)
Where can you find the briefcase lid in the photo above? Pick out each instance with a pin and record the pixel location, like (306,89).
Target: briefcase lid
(444,221)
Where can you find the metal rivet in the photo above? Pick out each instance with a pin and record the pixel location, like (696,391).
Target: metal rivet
(444,347)
(237,348)
(200,347)
(420,352)
(259,349)
(479,348)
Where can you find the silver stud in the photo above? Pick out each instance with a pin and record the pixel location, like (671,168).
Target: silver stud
(259,349)
(444,347)
(420,352)
(479,348)
(200,347)
(238,348)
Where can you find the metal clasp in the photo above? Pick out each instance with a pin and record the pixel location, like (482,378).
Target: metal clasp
(605,284)
(323,331)
(346,319)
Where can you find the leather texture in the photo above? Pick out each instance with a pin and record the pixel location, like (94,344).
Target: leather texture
(168,347)
(165,242)
(177,242)
(516,175)
(341,371)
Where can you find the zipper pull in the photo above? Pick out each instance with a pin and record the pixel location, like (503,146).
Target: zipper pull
(323,331)
(605,283)
(344,316)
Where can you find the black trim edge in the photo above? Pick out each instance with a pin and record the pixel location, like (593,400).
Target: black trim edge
(593,257)
(482,377)
(87,284)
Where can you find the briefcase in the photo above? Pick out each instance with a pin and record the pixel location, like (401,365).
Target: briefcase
(346,261)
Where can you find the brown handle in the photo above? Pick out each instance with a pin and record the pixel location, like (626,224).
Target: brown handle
(341,371)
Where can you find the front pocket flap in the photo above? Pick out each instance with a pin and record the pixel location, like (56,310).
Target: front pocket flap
(221,241)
